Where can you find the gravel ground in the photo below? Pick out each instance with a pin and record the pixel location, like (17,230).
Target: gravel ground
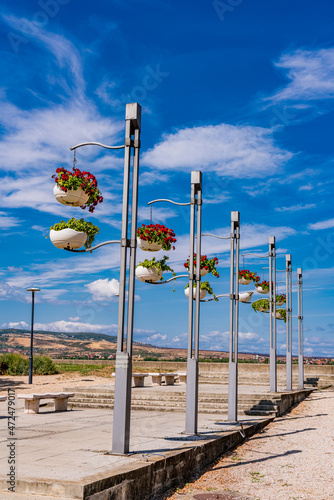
(49,383)
(291,459)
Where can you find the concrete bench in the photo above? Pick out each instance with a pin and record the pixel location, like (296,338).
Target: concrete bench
(156,378)
(183,377)
(3,398)
(31,401)
(138,379)
(169,378)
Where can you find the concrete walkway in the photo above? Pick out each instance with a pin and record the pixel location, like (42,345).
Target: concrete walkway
(67,454)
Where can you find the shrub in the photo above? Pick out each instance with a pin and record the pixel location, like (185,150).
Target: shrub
(43,365)
(15,364)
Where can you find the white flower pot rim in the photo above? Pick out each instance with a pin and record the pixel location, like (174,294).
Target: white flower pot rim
(147,246)
(68,237)
(148,274)
(71,197)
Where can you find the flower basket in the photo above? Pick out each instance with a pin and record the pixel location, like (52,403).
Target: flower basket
(148,274)
(202,293)
(204,287)
(150,271)
(147,246)
(207,265)
(281,314)
(280,299)
(261,305)
(73,234)
(246,277)
(76,188)
(71,197)
(155,237)
(262,287)
(68,238)
(245,296)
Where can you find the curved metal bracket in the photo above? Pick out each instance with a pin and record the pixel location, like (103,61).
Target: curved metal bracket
(92,248)
(96,144)
(169,201)
(265,256)
(219,237)
(167,281)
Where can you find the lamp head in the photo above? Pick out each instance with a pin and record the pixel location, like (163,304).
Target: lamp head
(32,289)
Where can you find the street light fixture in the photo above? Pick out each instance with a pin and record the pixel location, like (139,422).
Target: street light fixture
(32,290)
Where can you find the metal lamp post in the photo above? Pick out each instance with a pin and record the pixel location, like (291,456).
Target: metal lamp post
(272,314)
(123,374)
(32,290)
(288,323)
(300,330)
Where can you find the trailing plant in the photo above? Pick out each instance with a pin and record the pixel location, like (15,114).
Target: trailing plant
(248,275)
(79,225)
(282,312)
(208,264)
(157,233)
(76,179)
(159,265)
(260,304)
(204,285)
(281,298)
(264,285)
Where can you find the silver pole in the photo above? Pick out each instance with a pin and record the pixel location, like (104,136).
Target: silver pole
(123,374)
(272,311)
(31,356)
(234,297)
(300,331)
(192,360)
(288,324)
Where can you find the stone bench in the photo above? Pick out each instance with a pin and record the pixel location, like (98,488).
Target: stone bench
(3,398)
(31,401)
(156,378)
(169,378)
(138,379)
(183,377)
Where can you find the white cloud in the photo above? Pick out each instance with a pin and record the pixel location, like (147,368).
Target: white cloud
(6,221)
(311,75)
(295,208)
(75,326)
(103,289)
(157,337)
(325,224)
(20,325)
(228,150)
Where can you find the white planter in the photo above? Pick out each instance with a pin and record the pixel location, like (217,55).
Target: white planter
(279,316)
(245,296)
(259,289)
(242,281)
(148,247)
(148,274)
(262,310)
(68,238)
(74,198)
(202,293)
(279,304)
(203,272)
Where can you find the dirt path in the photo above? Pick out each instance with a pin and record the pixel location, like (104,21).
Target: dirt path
(291,459)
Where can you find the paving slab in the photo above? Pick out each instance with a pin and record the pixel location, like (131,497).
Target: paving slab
(68,454)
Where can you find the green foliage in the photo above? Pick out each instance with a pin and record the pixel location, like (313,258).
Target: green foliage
(43,365)
(79,225)
(260,304)
(282,312)
(159,265)
(15,364)
(205,285)
(157,233)
(207,264)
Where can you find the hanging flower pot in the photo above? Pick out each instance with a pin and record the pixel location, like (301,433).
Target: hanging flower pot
(261,305)
(245,296)
(147,246)
(154,237)
(202,293)
(246,277)
(148,274)
(204,288)
(262,287)
(280,299)
(207,265)
(73,234)
(151,270)
(281,314)
(76,189)
(71,197)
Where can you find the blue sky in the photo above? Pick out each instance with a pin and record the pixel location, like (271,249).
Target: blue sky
(242,91)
